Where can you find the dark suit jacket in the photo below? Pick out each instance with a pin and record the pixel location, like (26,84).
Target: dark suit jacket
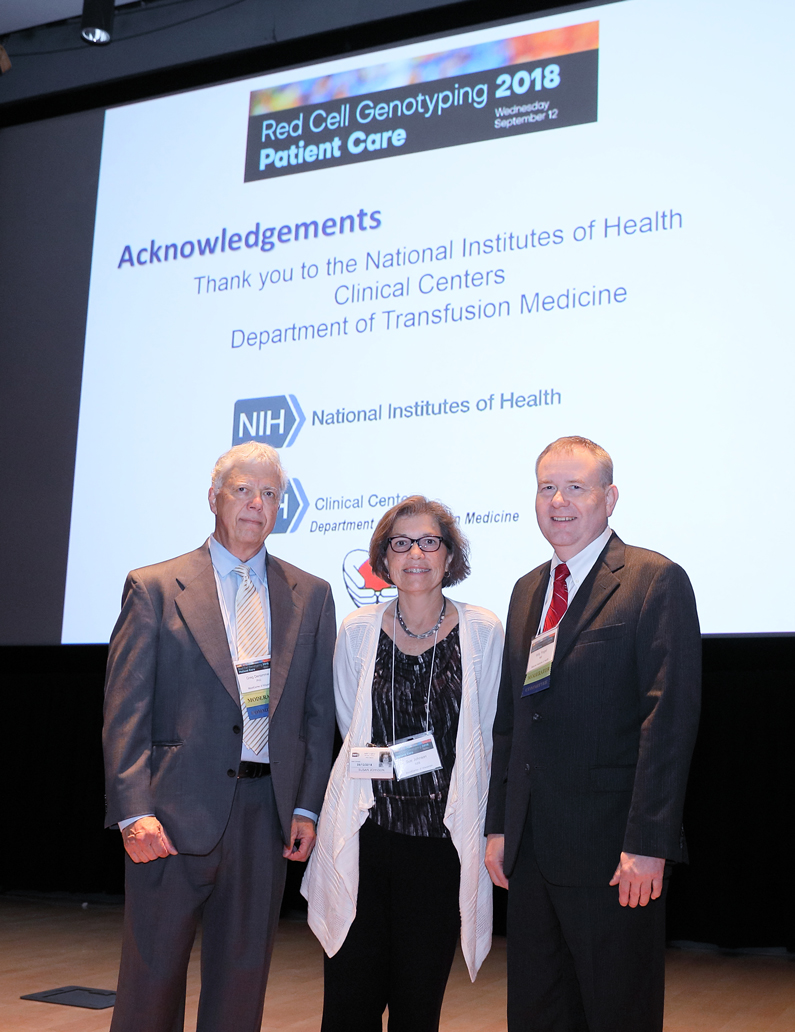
(172,732)
(599,760)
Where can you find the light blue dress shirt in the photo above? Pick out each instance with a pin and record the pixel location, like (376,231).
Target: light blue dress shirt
(224,563)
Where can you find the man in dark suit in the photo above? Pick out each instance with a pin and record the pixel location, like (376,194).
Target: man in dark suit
(590,764)
(219,722)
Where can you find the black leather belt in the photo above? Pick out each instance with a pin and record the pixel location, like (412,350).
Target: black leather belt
(249,769)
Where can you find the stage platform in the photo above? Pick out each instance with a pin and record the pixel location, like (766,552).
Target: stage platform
(51,942)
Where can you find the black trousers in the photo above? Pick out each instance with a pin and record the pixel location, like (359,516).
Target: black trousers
(577,960)
(236,891)
(400,947)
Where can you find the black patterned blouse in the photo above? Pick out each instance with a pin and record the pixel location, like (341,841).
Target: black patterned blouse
(415,806)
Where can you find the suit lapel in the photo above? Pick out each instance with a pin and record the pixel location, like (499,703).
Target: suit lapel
(534,603)
(596,589)
(286,616)
(198,604)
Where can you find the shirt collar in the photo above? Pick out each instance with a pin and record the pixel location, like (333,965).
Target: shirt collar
(224,562)
(581,564)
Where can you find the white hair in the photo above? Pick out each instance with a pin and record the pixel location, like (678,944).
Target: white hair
(251,451)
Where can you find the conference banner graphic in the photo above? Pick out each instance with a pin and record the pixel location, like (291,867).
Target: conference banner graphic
(546,80)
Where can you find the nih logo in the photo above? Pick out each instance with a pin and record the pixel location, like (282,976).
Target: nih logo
(293,508)
(275,421)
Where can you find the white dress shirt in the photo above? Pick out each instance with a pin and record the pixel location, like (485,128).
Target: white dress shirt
(580,565)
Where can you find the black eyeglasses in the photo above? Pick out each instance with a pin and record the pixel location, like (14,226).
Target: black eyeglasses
(428,543)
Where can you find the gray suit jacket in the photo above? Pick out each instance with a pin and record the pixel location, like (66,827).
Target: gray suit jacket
(599,761)
(172,734)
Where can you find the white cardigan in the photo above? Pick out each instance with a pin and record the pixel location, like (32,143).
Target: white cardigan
(331,882)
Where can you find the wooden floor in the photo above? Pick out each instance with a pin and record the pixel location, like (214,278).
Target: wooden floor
(44,945)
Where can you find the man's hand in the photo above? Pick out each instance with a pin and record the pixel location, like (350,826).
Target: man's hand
(146,839)
(639,879)
(302,838)
(495,857)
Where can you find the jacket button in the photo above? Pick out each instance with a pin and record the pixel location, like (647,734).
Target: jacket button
(536,716)
(236,729)
(231,773)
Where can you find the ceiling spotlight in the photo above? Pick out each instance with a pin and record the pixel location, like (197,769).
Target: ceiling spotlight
(97,23)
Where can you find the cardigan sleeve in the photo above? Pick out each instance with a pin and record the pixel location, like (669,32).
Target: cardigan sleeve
(346,678)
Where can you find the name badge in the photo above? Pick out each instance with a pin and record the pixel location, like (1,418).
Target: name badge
(254,681)
(539,662)
(415,755)
(370,761)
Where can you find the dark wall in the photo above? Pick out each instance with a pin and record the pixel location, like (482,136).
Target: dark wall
(734,893)
(48,186)
(741,801)
(51,771)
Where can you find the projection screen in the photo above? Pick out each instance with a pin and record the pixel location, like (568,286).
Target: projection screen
(411,269)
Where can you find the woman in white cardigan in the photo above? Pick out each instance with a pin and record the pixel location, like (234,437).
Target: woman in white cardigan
(398,866)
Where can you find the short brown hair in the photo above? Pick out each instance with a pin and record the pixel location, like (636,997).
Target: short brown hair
(418,505)
(568,444)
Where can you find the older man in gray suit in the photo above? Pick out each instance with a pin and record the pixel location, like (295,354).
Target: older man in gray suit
(219,719)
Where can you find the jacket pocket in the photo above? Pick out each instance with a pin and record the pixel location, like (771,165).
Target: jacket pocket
(595,634)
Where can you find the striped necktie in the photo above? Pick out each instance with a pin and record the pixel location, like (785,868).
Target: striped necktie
(252,643)
(560,598)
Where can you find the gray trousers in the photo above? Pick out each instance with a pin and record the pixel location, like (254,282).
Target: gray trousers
(236,892)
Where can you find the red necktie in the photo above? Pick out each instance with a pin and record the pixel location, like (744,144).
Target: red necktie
(560,598)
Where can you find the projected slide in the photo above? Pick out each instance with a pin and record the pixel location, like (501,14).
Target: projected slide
(410,270)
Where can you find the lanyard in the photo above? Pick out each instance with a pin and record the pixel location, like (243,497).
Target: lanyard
(430,679)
